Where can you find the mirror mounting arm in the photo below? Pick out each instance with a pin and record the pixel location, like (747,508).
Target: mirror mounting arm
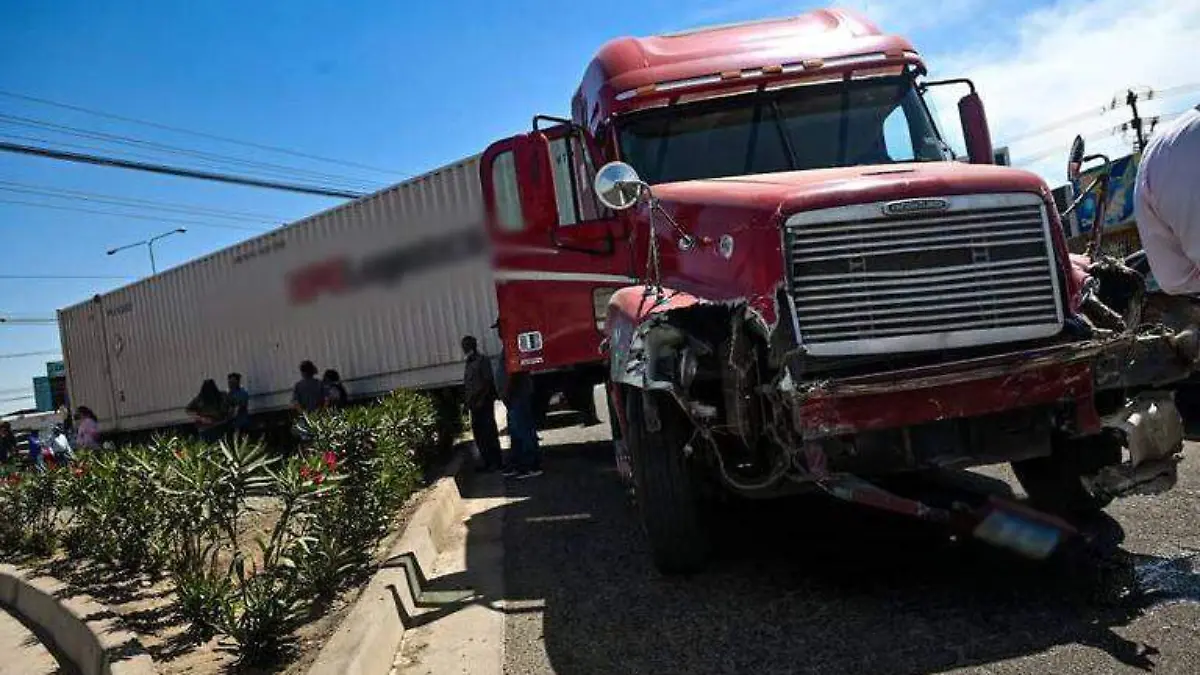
(1096,182)
(955,80)
(687,241)
(552,119)
(1102,197)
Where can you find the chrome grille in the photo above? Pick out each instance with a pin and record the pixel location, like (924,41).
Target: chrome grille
(980,271)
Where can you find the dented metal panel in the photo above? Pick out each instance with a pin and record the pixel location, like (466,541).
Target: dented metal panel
(381,289)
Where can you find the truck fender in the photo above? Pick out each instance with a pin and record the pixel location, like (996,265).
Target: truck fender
(634,312)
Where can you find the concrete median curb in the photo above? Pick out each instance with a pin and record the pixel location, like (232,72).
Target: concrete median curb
(81,634)
(366,641)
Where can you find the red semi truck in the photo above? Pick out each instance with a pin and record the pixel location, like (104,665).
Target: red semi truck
(795,285)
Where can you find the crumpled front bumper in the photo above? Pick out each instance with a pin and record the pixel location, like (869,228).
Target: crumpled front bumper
(1069,374)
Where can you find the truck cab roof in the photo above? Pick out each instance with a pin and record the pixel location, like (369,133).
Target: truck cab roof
(629,72)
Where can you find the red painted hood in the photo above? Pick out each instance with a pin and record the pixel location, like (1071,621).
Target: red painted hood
(807,190)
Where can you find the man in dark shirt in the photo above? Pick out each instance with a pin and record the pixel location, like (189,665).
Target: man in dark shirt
(309,393)
(480,391)
(239,402)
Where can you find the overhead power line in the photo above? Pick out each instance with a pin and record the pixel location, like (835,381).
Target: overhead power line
(1048,152)
(197,134)
(1146,93)
(27,397)
(56,277)
(188,209)
(133,216)
(119,153)
(19,355)
(1150,124)
(278,169)
(176,171)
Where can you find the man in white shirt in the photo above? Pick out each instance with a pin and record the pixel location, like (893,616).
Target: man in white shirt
(1166,203)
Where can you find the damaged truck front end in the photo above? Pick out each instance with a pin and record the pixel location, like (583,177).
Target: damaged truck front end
(967,341)
(832,300)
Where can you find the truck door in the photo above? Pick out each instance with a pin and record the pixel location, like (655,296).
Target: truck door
(557,253)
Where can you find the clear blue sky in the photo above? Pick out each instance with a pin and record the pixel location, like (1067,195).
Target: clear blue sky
(406,86)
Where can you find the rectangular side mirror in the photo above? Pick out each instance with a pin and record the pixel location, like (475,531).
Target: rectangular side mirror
(973,119)
(975,129)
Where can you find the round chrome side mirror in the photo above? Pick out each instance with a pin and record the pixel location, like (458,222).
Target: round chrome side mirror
(1075,159)
(618,186)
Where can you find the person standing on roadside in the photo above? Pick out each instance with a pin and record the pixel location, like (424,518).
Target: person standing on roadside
(335,391)
(87,428)
(526,455)
(209,411)
(480,391)
(308,395)
(239,403)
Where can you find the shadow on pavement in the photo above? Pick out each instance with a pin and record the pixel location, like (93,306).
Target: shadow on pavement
(799,585)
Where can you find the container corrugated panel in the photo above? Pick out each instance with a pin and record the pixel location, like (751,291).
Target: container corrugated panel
(381,289)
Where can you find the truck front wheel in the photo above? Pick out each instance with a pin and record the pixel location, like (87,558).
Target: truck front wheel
(665,488)
(1059,484)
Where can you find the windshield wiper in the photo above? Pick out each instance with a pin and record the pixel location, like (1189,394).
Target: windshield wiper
(844,126)
(783,136)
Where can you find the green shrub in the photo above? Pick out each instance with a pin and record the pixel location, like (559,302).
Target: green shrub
(181,504)
(203,492)
(202,591)
(11,528)
(119,516)
(259,613)
(33,505)
(372,450)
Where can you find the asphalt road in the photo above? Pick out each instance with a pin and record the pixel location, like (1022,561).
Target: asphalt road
(806,586)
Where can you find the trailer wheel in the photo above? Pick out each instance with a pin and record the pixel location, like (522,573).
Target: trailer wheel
(666,491)
(1058,483)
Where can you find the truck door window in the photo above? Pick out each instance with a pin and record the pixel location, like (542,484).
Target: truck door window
(567,195)
(508,197)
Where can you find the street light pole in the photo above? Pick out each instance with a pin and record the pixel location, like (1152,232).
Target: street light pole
(149,244)
(150,248)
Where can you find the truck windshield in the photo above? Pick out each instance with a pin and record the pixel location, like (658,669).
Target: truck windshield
(846,123)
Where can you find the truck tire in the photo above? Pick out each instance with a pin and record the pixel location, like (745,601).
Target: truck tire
(1057,483)
(665,488)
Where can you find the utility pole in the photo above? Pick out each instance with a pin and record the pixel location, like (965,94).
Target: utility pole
(1131,100)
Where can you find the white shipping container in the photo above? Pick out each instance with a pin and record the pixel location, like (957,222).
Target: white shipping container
(381,289)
